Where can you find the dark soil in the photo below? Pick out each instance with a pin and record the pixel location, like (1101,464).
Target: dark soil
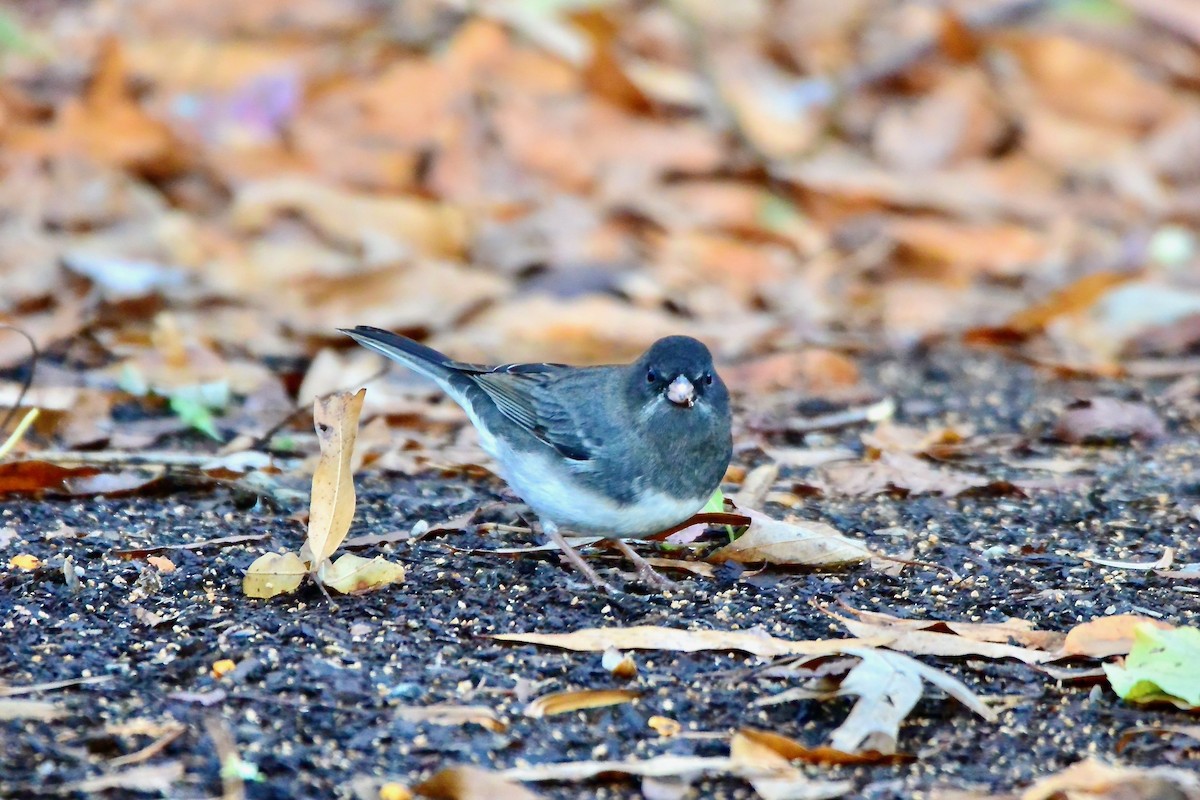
(313,700)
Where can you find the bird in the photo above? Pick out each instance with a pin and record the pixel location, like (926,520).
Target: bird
(620,451)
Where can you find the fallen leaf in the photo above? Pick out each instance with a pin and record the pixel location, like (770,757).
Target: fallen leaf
(1106,636)
(658,767)
(11,709)
(1107,419)
(795,751)
(24,561)
(472,783)
(897,472)
(664,726)
(332,506)
(352,574)
(1093,779)
(1009,630)
(653,637)
(23,477)
(755,486)
(888,686)
(157,778)
(772,774)
(274,573)
(163,565)
(621,665)
(451,714)
(1162,666)
(933,643)
(800,543)
(382,228)
(813,371)
(563,702)
(890,437)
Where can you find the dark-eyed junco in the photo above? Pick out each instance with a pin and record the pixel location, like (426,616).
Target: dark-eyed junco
(620,451)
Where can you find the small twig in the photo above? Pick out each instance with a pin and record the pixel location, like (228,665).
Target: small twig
(227,756)
(876,412)
(149,458)
(14,691)
(36,354)
(150,750)
(224,541)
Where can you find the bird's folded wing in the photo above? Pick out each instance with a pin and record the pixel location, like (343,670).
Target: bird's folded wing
(522,393)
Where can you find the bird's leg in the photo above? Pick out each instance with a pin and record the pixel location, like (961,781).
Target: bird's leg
(646,572)
(573,556)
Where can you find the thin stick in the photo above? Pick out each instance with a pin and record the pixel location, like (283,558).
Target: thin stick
(28,378)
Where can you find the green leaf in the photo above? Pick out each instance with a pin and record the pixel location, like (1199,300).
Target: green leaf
(13,36)
(716,505)
(1108,12)
(1164,664)
(191,409)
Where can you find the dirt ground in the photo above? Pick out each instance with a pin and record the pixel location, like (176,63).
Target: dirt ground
(317,696)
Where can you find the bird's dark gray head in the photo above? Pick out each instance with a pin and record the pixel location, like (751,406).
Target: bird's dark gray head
(678,369)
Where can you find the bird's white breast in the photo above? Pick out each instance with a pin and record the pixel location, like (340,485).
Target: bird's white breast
(557,495)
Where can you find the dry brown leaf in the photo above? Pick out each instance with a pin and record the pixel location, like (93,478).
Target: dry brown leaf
(796,751)
(564,702)
(382,228)
(659,767)
(351,574)
(1083,80)
(1073,299)
(806,543)
(109,125)
(20,477)
(157,778)
(621,665)
(813,371)
(932,643)
(274,573)
(891,437)
(1106,419)
(888,686)
(332,506)
(772,775)
(472,783)
(1093,779)
(451,714)
(11,709)
(897,472)
(1010,630)
(1106,636)
(756,486)
(594,329)
(653,637)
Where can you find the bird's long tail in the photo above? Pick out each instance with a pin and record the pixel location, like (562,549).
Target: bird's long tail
(401,349)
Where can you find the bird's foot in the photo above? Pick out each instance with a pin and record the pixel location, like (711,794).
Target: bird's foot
(648,574)
(572,555)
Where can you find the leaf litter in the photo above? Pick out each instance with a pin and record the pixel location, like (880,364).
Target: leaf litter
(891,173)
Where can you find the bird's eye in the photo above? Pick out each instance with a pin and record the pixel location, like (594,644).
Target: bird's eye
(708,379)
(651,377)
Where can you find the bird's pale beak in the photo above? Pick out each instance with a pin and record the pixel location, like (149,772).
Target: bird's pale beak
(681,392)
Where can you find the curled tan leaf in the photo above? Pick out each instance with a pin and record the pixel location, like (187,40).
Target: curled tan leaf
(804,543)
(272,574)
(332,506)
(351,574)
(562,702)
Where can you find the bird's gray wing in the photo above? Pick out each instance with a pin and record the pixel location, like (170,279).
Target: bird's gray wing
(532,396)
